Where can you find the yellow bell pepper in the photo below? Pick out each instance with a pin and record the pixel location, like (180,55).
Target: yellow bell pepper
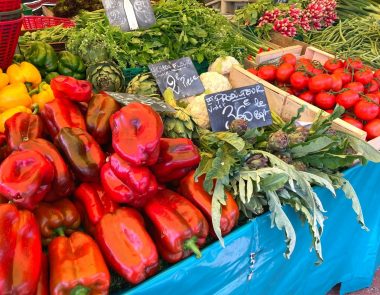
(24,73)
(9,113)
(4,80)
(14,95)
(45,95)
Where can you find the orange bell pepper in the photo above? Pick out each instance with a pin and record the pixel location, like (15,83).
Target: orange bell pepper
(4,79)
(9,113)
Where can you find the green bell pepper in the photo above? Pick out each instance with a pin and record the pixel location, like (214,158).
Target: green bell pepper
(71,65)
(51,76)
(43,56)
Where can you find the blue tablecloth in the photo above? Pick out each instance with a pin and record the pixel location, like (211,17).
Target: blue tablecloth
(351,255)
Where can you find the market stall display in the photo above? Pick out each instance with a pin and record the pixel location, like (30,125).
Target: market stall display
(120,175)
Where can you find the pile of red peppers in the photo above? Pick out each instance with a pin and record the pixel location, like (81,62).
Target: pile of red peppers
(88,185)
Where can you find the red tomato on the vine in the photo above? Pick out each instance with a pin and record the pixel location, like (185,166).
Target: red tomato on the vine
(317,71)
(372,128)
(366,110)
(289,58)
(267,73)
(347,99)
(299,80)
(284,71)
(252,71)
(353,122)
(337,82)
(353,64)
(372,87)
(307,96)
(333,64)
(325,100)
(321,82)
(355,86)
(344,74)
(373,97)
(376,75)
(363,76)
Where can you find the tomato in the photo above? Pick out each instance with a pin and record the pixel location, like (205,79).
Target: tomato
(373,129)
(376,75)
(353,122)
(344,74)
(363,76)
(299,80)
(267,73)
(353,64)
(372,87)
(284,71)
(337,82)
(305,61)
(307,96)
(355,86)
(317,71)
(325,100)
(374,97)
(289,58)
(252,71)
(366,110)
(330,111)
(289,90)
(347,99)
(321,82)
(333,64)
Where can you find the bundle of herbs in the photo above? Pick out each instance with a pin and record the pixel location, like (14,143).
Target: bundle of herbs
(183,28)
(270,167)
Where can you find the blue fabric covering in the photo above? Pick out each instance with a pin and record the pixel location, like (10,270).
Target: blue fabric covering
(351,255)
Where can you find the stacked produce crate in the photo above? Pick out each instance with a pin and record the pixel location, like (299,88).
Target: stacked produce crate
(10,28)
(227,7)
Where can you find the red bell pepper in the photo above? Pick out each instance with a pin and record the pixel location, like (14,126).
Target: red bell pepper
(25,178)
(20,251)
(83,153)
(136,132)
(43,282)
(127,246)
(95,201)
(70,88)
(99,112)
(61,113)
(77,266)
(5,150)
(124,183)
(57,219)
(63,183)
(22,127)
(195,192)
(177,157)
(179,228)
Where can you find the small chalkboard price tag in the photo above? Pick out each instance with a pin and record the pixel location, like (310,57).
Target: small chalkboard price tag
(180,75)
(156,104)
(249,103)
(129,15)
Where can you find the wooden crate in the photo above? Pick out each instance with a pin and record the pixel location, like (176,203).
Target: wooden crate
(227,7)
(287,105)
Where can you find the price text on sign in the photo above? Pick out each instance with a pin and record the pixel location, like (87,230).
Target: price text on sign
(129,14)
(180,75)
(156,104)
(249,103)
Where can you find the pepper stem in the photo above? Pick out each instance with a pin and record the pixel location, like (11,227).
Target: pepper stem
(60,231)
(35,108)
(80,290)
(191,244)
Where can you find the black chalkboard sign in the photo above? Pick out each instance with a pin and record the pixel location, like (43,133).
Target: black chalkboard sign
(249,103)
(280,1)
(129,15)
(156,104)
(180,75)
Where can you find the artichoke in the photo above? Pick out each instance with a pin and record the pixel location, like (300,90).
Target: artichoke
(257,161)
(278,141)
(239,126)
(106,76)
(286,157)
(298,136)
(143,84)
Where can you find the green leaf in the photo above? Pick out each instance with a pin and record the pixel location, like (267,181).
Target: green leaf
(315,179)
(218,198)
(274,182)
(231,138)
(362,147)
(291,123)
(310,147)
(204,166)
(330,161)
(279,218)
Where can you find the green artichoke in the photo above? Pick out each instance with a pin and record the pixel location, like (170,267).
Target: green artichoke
(106,76)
